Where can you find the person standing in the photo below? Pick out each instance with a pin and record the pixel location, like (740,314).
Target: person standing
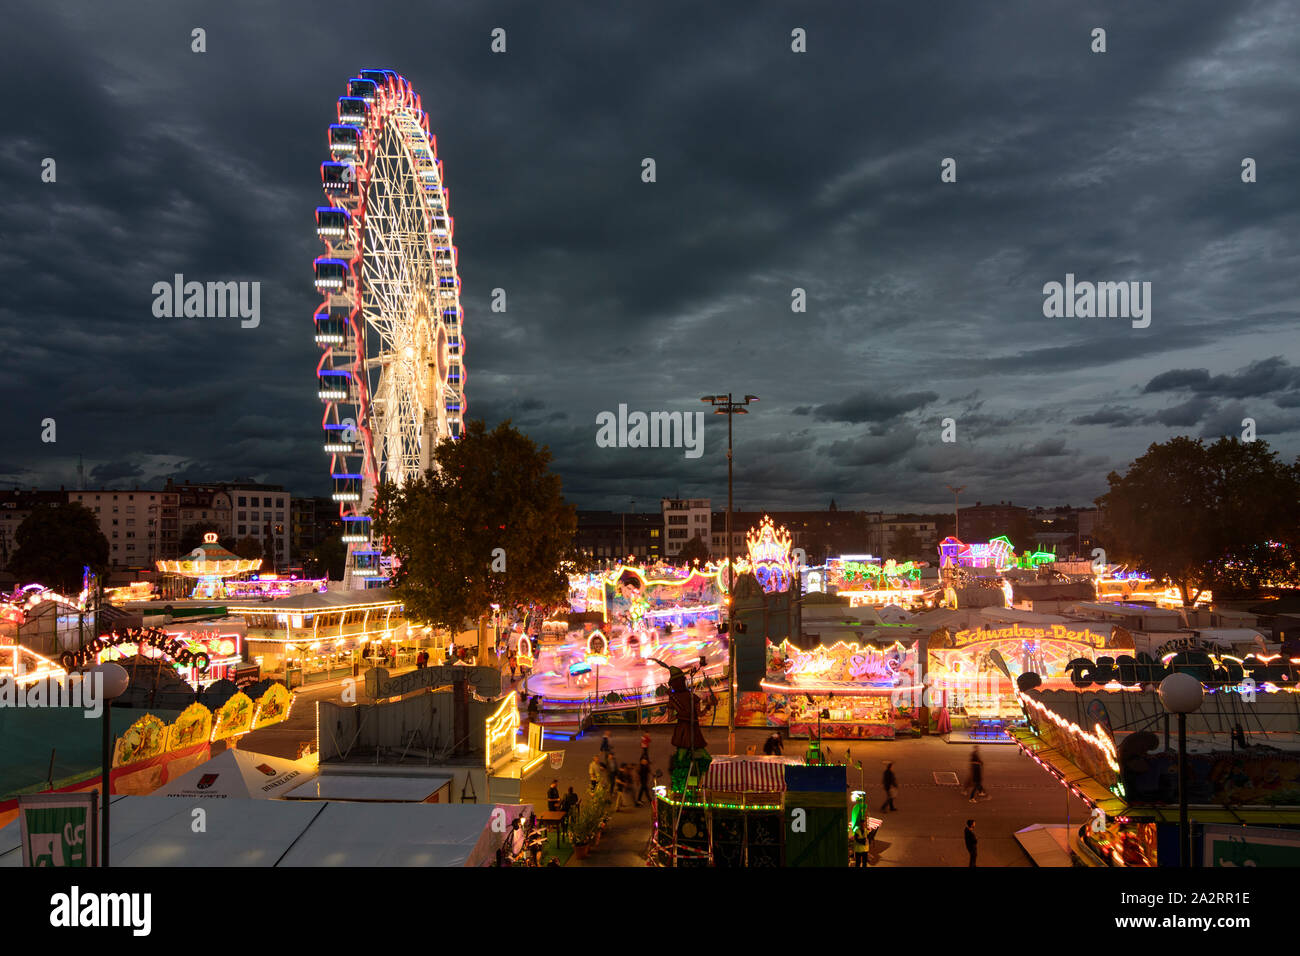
(594,770)
(645,745)
(972,841)
(567,806)
(860,845)
(643,777)
(976,774)
(891,787)
(553,796)
(605,746)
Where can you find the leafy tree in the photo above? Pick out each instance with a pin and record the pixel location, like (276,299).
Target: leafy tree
(192,537)
(55,542)
(693,549)
(1224,515)
(488,525)
(907,544)
(250,548)
(327,559)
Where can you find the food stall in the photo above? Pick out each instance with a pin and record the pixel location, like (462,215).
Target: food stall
(846,691)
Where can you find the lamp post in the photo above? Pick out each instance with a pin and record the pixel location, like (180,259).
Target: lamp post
(1181,694)
(114,680)
(956,514)
(724,405)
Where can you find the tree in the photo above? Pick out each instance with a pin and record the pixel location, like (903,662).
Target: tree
(907,544)
(693,549)
(327,559)
(192,537)
(488,525)
(249,547)
(1202,516)
(55,542)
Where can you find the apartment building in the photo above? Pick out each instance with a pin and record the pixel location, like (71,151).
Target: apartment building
(683,519)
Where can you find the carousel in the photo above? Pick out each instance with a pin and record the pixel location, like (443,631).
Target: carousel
(210,565)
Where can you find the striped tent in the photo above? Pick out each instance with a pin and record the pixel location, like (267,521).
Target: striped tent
(747,774)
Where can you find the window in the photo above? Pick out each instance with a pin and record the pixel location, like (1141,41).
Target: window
(129,534)
(243,516)
(129,547)
(114,522)
(242,501)
(266,502)
(242,531)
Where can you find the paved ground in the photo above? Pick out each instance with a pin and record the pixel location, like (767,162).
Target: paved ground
(926,830)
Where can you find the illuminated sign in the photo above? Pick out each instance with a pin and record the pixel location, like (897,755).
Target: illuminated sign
(501,729)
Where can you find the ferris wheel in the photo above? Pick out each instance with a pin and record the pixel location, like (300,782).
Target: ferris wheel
(391,373)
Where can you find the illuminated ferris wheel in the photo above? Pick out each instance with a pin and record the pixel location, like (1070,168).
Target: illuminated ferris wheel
(391,372)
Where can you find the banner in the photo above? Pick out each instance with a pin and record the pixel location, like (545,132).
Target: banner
(59,829)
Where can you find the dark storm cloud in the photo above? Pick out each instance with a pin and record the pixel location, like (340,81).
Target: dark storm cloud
(775,171)
(114,472)
(870,407)
(1185,414)
(1109,415)
(1269,375)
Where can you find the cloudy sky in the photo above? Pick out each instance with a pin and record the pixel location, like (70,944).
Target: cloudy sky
(775,170)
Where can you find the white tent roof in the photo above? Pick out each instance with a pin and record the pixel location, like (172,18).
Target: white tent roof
(241,774)
(158,831)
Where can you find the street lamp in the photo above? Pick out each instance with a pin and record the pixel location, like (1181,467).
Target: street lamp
(956,515)
(114,683)
(724,405)
(1181,693)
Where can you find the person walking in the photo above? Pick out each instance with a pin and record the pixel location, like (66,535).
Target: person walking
(611,768)
(976,775)
(622,783)
(972,841)
(891,787)
(605,746)
(594,770)
(643,777)
(645,745)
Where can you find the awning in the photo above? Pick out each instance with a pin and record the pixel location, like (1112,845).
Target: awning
(746,774)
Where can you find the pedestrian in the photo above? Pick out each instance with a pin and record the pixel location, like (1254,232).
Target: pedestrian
(605,746)
(643,777)
(645,745)
(534,709)
(514,666)
(553,796)
(567,806)
(611,768)
(594,770)
(860,845)
(622,783)
(976,774)
(972,841)
(891,787)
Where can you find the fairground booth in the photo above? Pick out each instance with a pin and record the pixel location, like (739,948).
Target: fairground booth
(845,691)
(319,636)
(1108,738)
(973,662)
(753,811)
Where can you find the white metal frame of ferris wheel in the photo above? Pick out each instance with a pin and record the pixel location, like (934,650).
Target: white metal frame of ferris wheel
(403,400)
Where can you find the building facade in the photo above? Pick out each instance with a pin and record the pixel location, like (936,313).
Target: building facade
(141,525)
(15,506)
(684,519)
(614,536)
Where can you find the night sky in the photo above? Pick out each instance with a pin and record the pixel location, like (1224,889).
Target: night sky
(775,170)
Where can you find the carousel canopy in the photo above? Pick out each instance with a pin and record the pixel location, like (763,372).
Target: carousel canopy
(210,559)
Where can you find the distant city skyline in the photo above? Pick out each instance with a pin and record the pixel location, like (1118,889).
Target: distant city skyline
(927,189)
